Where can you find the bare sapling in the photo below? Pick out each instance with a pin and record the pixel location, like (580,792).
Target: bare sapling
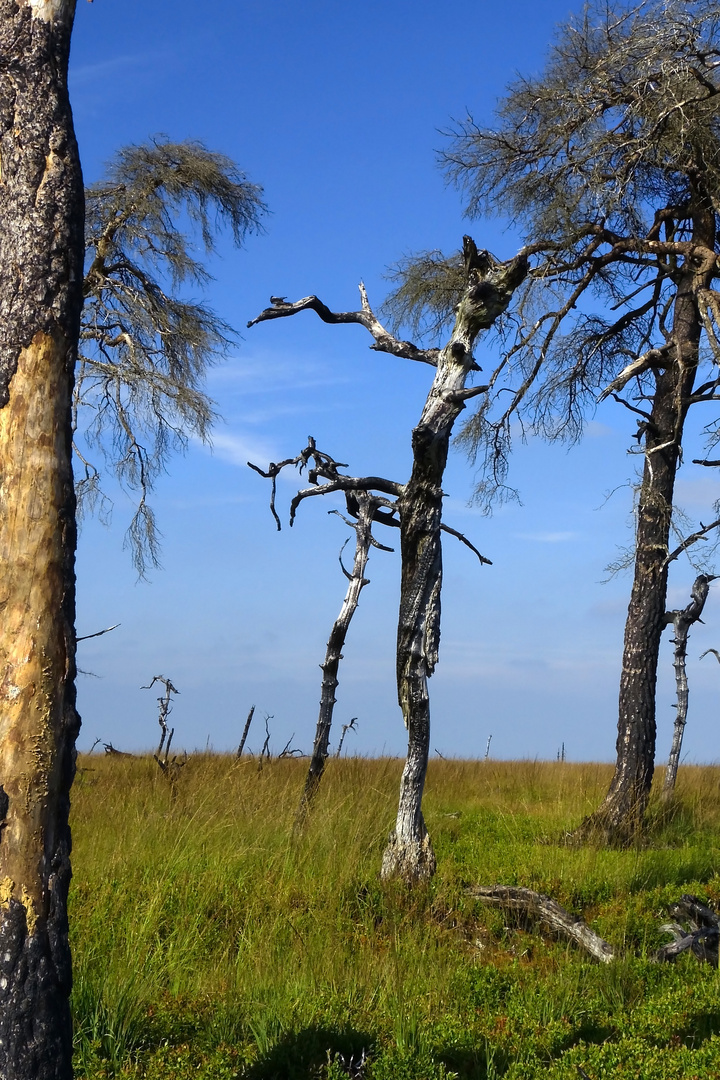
(170,767)
(682,621)
(351,726)
(246,729)
(365,508)
(488,288)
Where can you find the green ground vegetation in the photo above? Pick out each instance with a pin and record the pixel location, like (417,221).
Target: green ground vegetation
(210,942)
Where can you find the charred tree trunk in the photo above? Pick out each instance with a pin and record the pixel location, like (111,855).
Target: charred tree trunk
(682,621)
(336,642)
(620,817)
(41,261)
(490,285)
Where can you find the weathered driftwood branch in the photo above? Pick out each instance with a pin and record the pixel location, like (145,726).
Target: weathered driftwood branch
(682,621)
(534,905)
(111,751)
(701,937)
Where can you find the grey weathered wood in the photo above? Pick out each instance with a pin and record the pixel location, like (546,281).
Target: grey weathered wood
(365,507)
(536,906)
(489,288)
(682,621)
(246,729)
(701,935)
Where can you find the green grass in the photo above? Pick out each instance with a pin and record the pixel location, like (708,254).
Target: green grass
(210,942)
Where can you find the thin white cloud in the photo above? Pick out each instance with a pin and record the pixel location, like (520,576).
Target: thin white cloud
(272,373)
(95,74)
(238,449)
(549,537)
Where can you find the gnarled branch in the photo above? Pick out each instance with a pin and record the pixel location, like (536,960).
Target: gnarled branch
(384,340)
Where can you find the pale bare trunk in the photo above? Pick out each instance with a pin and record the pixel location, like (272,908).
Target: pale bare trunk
(682,621)
(490,285)
(333,655)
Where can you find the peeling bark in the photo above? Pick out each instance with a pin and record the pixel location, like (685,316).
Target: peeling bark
(41,253)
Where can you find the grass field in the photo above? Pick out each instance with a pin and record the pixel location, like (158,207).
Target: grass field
(210,943)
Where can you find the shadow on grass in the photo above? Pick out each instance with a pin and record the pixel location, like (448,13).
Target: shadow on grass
(704,1025)
(492,1062)
(298,1055)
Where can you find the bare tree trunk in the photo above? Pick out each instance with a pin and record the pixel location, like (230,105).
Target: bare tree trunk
(619,819)
(489,289)
(620,816)
(335,645)
(490,285)
(41,258)
(246,729)
(682,621)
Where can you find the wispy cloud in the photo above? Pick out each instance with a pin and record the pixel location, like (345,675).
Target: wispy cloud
(96,74)
(238,449)
(549,537)
(272,373)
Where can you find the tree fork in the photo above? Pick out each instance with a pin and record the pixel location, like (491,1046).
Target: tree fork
(41,258)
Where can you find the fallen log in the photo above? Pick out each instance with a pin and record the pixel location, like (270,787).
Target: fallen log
(536,906)
(700,935)
(110,749)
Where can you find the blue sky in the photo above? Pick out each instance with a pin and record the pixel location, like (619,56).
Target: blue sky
(338,111)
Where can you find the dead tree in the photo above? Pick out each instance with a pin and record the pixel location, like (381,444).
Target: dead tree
(351,726)
(169,767)
(364,539)
(246,729)
(682,621)
(488,289)
(365,509)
